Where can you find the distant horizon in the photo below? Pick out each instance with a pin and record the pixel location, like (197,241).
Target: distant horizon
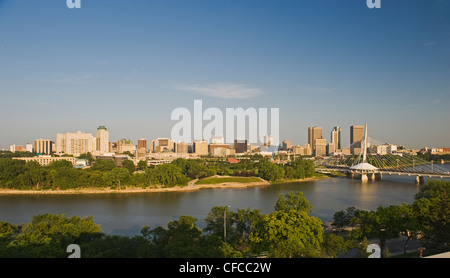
(344,143)
(127,64)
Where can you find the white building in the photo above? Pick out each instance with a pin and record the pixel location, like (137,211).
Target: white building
(75,143)
(268,140)
(16,148)
(102,140)
(217,140)
(384,149)
(125,145)
(29,147)
(44,160)
(43,146)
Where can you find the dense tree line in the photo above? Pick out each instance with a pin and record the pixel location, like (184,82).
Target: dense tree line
(18,174)
(297,169)
(434,157)
(427,219)
(9,154)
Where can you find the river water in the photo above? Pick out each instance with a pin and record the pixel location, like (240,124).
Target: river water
(126,214)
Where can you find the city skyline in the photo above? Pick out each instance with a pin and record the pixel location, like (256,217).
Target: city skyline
(100,143)
(128,64)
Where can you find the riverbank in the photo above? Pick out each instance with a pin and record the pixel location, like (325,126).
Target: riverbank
(192,186)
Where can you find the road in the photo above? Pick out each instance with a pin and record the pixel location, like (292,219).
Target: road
(394,245)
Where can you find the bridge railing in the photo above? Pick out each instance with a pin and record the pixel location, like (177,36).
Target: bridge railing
(389,163)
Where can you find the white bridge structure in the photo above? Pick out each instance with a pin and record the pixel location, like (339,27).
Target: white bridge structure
(372,167)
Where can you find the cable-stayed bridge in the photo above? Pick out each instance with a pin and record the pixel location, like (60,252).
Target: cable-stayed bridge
(371,166)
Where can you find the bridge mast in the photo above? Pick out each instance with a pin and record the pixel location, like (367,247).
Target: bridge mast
(365,143)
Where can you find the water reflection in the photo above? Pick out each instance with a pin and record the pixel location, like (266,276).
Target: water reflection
(126,214)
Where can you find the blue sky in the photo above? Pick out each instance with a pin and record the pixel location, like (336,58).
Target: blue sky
(127,64)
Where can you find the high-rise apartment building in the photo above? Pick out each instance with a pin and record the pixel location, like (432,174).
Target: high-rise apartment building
(336,137)
(141,147)
(356,133)
(201,147)
(43,146)
(240,146)
(306,150)
(268,140)
(102,140)
(75,143)
(162,144)
(219,149)
(181,147)
(142,144)
(320,147)
(29,147)
(286,145)
(125,145)
(356,136)
(314,132)
(331,148)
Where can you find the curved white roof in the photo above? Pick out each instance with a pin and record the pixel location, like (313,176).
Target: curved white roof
(363,166)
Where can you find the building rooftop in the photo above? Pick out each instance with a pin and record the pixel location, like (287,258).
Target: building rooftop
(364,166)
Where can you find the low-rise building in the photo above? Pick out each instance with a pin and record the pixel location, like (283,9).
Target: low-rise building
(45,160)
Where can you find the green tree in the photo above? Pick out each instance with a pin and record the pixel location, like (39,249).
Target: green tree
(431,207)
(103,165)
(60,164)
(48,235)
(343,218)
(157,238)
(95,178)
(116,176)
(408,222)
(142,165)
(432,189)
(35,174)
(150,176)
(184,239)
(215,222)
(288,234)
(381,224)
(115,246)
(169,175)
(242,227)
(269,171)
(238,225)
(51,178)
(182,164)
(88,156)
(67,176)
(129,165)
(10,170)
(302,168)
(292,201)
(6,230)
(334,245)
(436,232)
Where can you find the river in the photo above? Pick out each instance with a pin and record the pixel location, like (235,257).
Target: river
(126,214)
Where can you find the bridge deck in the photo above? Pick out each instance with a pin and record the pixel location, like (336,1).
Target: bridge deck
(389,172)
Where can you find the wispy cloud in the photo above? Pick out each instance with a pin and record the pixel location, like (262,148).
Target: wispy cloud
(430,44)
(316,90)
(223,90)
(67,78)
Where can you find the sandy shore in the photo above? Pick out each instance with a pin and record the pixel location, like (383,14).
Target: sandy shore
(190,187)
(107,190)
